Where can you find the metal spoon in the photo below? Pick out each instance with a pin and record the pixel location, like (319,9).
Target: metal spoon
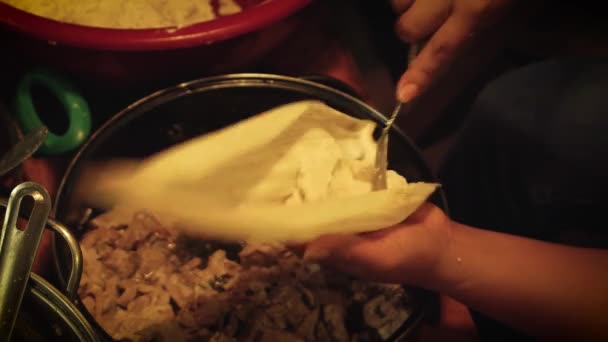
(18,251)
(381,164)
(23,149)
(379,181)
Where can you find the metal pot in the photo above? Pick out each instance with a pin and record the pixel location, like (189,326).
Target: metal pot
(46,313)
(176,114)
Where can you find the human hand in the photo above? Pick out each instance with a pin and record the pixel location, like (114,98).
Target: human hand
(450,24)
(407,253)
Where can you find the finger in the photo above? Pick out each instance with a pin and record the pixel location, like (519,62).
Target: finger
(436,55)
(371,258)
(329,247)
(298,248)
(426,210)
(400,6)
(422,19)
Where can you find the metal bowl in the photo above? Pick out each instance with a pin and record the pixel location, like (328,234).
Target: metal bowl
(176,114)
(48,314)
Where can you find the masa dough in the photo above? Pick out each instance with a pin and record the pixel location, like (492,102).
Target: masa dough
(127,14)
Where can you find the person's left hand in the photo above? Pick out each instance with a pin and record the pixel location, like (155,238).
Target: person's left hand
(406,254)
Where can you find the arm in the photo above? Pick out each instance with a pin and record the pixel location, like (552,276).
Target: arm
(545,289)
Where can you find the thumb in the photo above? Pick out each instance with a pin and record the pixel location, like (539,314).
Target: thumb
(373,256)
(330,248)
(342,252)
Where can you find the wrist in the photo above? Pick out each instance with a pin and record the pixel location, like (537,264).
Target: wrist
(447,259)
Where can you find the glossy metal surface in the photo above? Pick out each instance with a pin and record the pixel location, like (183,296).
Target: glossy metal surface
(46,313)
(22,150)
(18,250)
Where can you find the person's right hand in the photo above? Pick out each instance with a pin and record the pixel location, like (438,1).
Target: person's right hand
(450,24)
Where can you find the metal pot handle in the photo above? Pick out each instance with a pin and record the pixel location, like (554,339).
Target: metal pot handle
(76,269)
(18,250)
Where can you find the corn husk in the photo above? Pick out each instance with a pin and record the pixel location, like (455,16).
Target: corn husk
(293,173)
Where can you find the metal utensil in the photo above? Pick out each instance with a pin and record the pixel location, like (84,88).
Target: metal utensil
(381,164)
(23,149)
(379,182)
(18,250)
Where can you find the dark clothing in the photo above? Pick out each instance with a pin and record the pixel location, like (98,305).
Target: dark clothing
(532,159)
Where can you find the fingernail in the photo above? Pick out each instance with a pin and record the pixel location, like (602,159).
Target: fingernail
(407,92)
(313,254)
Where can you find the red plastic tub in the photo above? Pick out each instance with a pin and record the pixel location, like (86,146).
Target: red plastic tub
(125,56)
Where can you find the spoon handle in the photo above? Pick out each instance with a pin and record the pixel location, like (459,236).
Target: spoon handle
(382,151)
(18,250)
(381,164)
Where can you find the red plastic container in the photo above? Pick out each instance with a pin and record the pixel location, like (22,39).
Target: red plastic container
(123,56)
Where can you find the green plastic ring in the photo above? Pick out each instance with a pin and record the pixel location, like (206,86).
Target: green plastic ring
(79,115)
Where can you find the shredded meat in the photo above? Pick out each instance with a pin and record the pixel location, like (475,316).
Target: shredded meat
(142,283)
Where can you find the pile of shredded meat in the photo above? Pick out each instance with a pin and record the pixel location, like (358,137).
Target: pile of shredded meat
(144,282)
